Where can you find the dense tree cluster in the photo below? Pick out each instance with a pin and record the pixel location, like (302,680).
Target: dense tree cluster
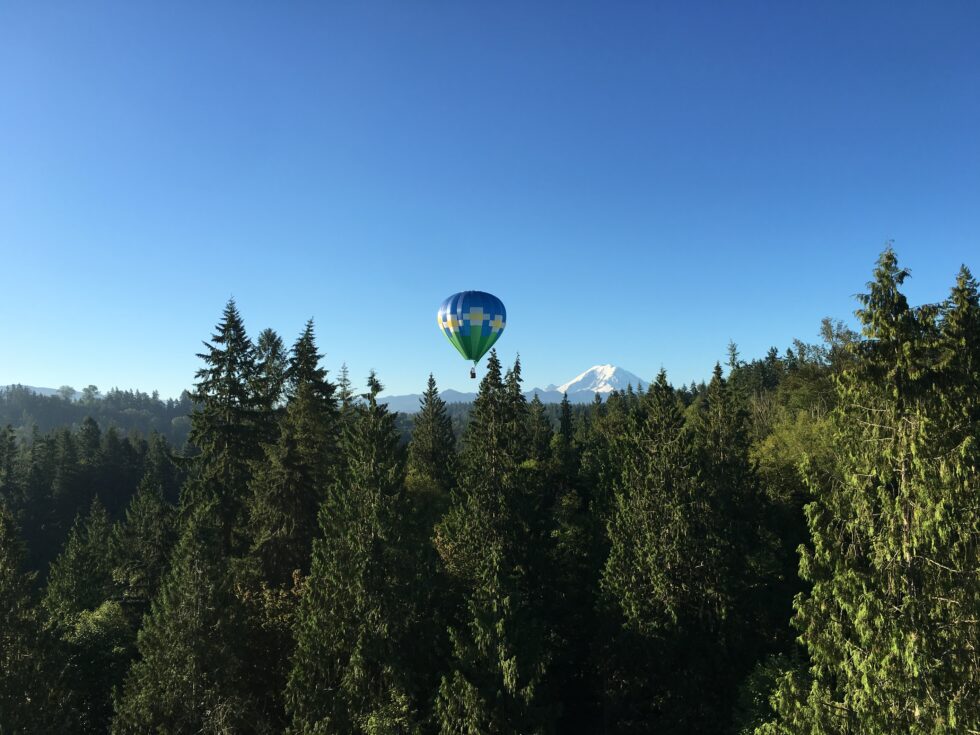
(792,547)
(129,412)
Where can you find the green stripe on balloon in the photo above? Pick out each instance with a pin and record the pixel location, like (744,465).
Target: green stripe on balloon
(455,339)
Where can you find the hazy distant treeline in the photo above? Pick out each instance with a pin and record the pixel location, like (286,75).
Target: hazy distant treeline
(128,411)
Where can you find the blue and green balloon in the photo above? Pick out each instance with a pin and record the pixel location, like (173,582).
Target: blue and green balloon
(472,321)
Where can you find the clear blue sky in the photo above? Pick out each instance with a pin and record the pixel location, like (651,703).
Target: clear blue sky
(638,181)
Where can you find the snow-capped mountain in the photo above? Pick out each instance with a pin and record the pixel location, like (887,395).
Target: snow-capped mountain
(600,379)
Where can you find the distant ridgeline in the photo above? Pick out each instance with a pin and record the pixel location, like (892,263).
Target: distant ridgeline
(26,409)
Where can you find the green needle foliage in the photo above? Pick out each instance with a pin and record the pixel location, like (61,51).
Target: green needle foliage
(189,674)
(290,483)
(82,611)
(229,425)
(432,451)
(32,697)
(141,545)
(490,541)
(358,648)
(891,622)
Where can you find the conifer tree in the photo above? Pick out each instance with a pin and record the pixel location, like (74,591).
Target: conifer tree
(118,471)
(490,540)
(516,417)
(432,449)
(734,553)
(359,651)
(160,470)
(345,391)
(89,440)
(35,507)
(653,568)
(272,365)
(141,545)
(290,484)
(9,490)
(539,431)
(81,576)
(228,425)
(430,481)
(890,624)
(287,490)
(188,677)
(69,491)
(563,444)
(574,609)
(32,699)
(649,564)
(81,611)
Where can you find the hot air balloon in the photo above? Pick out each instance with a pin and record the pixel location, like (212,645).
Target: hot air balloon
(472,321)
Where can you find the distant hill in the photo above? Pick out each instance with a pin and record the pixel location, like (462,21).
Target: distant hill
(599,379)
(27,408)
(35,389)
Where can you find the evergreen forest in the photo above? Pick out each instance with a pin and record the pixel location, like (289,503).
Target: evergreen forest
(791,548)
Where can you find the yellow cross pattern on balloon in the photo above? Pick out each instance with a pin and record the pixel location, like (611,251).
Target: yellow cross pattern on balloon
(450,323)
(497,323)
(475,317)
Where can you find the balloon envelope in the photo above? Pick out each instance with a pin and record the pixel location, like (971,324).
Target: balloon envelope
(472,321)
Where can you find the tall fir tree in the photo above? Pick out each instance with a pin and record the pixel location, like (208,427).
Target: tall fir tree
(269,379)
(189,675)
(10,492)
(432,449)
(539,432)
(141,546)
(290,483)
(359,651)
(287,490)
(734,549)
(652,571)
(228,425)
(81,576)
(82,612)
(890,623)
(490,540)
(573,591)
(32,696)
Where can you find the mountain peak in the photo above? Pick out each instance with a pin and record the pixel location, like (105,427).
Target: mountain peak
(602,379)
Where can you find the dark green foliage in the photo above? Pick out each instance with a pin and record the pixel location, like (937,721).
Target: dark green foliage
(576,555)
(272,365)
(128,411)
(432,450)
(290,483)
(228,427)
(32,698)
(539,431)
(360,652)
(649,569)
(80,610)
(288,487)
(141,546)
(491,541)
(188,675)
(688,560)
(81,577)
(53,478)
